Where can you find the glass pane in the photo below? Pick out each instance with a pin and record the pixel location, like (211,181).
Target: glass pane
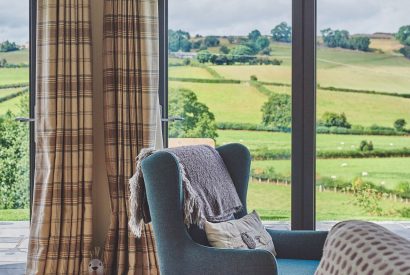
(230,79)
(14,102)
(363,107)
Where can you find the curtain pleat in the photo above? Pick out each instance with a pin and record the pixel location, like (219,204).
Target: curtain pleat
(130,108)
(61,225)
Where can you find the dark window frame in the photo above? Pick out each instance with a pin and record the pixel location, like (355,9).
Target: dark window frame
(32,89)
(303,106)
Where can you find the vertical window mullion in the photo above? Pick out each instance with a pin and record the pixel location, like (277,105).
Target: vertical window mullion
(32,92)
(163,66)
(303,114)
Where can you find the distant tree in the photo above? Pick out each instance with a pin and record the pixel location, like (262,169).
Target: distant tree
(231,39)
(405,51)
(254,35)
(403,35)
(360,43)
(282,33)
(399,124)
(179,41)
(204,56)
(3,63)
(224,49)
(262,43)
(198,120)
(251,45)
(266,51)
(335,120)
(8,46)
(336,38)
(277,111)
(197,44)
(211,41)
(242,53)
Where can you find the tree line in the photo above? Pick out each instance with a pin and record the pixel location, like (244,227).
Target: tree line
(8,46)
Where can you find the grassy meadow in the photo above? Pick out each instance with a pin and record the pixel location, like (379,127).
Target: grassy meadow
(272,202)
(381,70)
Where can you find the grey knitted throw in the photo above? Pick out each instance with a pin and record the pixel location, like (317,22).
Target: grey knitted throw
(209,192)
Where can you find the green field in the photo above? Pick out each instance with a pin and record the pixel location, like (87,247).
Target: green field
(193,72)
(385,171)
(272,202)
(16,57)
(272,140)
(13,75)
(231,103)
(12,105)
(335,67)
(14,214)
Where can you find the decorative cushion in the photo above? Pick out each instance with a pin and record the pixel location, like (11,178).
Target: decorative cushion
(359,247)
(245,233)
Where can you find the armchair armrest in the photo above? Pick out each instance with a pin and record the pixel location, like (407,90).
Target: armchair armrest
(307,245)
(232,261)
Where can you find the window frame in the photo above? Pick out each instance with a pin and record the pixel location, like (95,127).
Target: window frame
(303,193)
(32,91)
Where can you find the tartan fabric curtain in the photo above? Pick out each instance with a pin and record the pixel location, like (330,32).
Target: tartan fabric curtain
(61,225)
(130,108)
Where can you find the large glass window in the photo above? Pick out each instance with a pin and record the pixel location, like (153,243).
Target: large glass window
(229,79)
(14,102)
(363,110)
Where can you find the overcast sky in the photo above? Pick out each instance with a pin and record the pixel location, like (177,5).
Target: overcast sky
(224,17)
(229,17)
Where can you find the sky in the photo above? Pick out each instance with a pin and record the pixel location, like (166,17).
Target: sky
(14,20)
(229,17)
(239,17)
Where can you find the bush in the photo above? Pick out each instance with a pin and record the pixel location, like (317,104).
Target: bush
(404,212)
(187,61)
(405,51)
(14,160)
(366,146)
(335,120)
(224,49)
(367,197)
(254,78)
(277,111)
(403,189)
(399,124)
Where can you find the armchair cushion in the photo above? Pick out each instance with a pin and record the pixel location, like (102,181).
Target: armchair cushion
(247,232)
(296,267)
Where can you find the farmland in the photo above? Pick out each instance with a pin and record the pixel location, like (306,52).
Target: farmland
(381,70)
(365,86)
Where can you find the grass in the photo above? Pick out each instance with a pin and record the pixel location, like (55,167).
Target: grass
(272,140)
(16,57)
(385,171)
(7,92)
(387,72)
(14,214)
(13,75)
(386,45)
(13,105)
(272,202)
(189,72)
(229,102)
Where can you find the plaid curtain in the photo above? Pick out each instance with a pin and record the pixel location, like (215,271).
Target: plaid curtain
(130,107)
(61,225)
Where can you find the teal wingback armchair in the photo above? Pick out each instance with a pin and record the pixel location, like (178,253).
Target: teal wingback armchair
(182,251)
